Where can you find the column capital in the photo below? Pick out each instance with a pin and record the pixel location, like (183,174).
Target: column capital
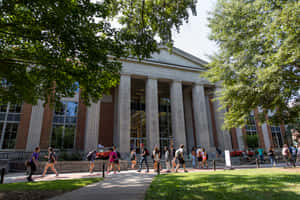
(176,81)
(152,78)
(125,74)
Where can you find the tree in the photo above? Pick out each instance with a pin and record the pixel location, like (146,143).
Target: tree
(50,48)
(259,58)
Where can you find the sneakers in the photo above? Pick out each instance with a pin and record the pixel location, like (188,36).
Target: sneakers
(29,179)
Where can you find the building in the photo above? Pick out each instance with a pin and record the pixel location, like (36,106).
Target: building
(161,100)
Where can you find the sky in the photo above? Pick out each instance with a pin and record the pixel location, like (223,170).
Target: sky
(193,36)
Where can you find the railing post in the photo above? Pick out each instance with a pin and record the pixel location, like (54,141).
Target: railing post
(103,169)
(2,175)
(158,168)
(214,165)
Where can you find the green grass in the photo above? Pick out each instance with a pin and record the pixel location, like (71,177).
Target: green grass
(252,184)
(65,185)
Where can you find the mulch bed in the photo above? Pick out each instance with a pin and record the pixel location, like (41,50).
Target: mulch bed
(291,169)
(29,195)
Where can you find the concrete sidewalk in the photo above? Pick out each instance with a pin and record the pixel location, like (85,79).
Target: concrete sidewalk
(125,186)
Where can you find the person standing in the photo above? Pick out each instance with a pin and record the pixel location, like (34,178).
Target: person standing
(298,154)
(271,155)
(194,157)
(167,159)
(51,162)
(91,157)
(286,154)
(293,151)
(144,153)
(179,154)
(204,158)
(33,163)
(117,160)
(133,158)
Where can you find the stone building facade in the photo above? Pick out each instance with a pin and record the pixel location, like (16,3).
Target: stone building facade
(159,101)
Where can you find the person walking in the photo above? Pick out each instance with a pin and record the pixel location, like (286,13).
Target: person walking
(117,160)
(144,154)
(261,154)
(167,159)
(91,157)
(204,158)
(156,158)
(51,162)
(173,157)
(298,154)
(33,163)
(286,154)
(133,158)
(112,158)
(199,157)
(194,157)
(179,154)
(293,157)
(271,155)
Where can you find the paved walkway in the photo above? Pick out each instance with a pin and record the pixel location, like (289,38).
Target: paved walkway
(125,186)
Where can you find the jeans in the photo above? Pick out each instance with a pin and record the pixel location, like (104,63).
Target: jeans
(32,169)
(194,161)
(141,163)
(272,161)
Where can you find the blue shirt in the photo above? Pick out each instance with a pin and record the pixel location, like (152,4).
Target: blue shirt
(35,155)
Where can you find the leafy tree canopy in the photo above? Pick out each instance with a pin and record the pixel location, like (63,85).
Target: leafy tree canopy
(48,48)
(259,58)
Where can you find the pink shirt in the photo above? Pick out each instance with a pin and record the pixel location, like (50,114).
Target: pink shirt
(112,156)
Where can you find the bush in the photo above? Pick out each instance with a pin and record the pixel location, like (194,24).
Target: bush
(252,141)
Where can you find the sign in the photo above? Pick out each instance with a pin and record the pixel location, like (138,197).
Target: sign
(227,159)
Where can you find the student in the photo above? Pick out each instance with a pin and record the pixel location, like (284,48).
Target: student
(133,158)
(199,157)
(204,158)
(117,160)
(298,154)
(194,157)
(51,162)
(173,157)
(156,158)
(91,157)
(167,158)
(33,162)
(271,155)
(261,154)
(111,161)
(286,154)
(180,156)
(144,153)
(293,151)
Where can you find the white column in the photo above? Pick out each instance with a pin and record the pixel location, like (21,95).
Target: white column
(266,136)
(200,117)
(240,138)
(152,123)
(177,114)
(124,113)
(92,126)
(35,127)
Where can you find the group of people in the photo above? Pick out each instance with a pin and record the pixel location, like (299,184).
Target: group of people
(200,156)
(172,158)
(32,163)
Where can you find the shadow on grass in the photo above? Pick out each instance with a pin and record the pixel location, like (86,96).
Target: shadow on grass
(225,187)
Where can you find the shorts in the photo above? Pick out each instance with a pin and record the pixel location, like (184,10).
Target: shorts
(199,159)
(181,161)
(116,161)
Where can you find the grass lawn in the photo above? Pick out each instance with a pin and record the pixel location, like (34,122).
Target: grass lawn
(251,184)
(42,189)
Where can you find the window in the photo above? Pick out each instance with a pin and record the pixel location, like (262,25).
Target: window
(64,125)
(164,111)
(138,114)
(9,123)
(276,136)
(251,133)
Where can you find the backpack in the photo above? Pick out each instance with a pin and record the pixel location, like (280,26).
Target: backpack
(118,155)
(178,154)
(294,151)
(89,156)
(147,152)
(199,155)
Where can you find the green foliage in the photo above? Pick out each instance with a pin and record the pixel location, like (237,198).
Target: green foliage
(259,184)
(66,185)
(252,141)
(259,58)
(58,44)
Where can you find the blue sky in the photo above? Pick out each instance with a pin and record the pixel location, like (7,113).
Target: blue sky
(193,37)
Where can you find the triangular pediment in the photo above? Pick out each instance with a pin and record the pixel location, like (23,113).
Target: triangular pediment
(177,57)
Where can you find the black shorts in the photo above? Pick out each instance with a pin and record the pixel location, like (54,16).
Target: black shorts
(199,159)
(181,161)
(116,161)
